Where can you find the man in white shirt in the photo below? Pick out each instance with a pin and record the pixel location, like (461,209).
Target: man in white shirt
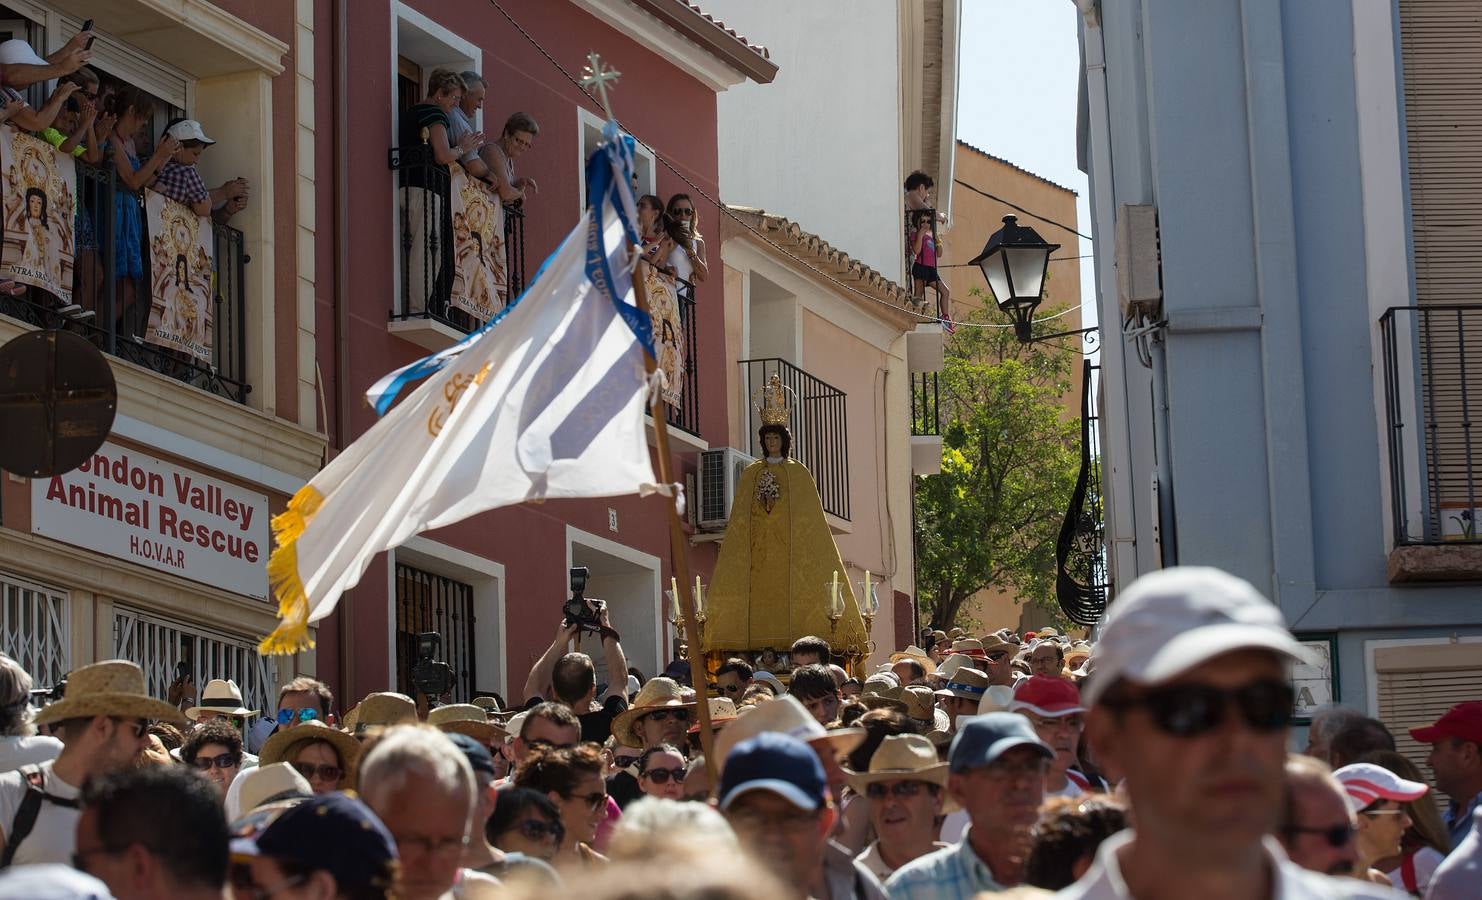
(1053,706)
(906,786)
(103,720)
(1190,698)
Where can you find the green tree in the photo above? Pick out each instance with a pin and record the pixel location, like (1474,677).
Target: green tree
(1010,455)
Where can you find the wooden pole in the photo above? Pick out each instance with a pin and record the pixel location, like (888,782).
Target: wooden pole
(679,558)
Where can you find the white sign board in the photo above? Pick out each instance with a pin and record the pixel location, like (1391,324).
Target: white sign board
(1313,682)
(133,506)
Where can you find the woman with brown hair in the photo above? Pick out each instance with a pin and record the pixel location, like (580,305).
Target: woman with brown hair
(688,256)
(135,110)
(1425,843)
(572,779)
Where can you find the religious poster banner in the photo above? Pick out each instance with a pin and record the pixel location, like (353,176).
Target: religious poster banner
(40,190)
(180,268)
(480,279)
(663,307)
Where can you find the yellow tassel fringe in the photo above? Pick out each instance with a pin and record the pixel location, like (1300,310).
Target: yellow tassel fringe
(292,633)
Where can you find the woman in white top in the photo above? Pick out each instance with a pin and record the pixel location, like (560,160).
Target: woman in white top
(20,745)
(688,256)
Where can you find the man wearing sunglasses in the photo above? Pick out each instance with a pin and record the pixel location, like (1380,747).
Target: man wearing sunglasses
(905,785)
(1317,827)
(1190,698)
(733,678)
(299,700)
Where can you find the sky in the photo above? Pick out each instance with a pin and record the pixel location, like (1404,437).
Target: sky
(1016,98)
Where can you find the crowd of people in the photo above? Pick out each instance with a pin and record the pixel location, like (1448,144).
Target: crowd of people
(1151,764)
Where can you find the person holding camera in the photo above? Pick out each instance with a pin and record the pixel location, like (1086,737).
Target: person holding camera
(571,678)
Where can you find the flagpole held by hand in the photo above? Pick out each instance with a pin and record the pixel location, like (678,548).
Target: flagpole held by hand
(679,557)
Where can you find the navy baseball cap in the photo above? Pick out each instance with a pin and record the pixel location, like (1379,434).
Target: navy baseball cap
(776,762)
(334,832)
(478,756)
(980,740)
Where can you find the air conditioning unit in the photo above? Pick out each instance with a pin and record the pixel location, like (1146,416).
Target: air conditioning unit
(720,472)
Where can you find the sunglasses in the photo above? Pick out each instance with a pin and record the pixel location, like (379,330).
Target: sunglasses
(303,715)
(681,715)
(224,761)
(879,791)
(595,800)
(321,772)
(1383,812)
(662,776)
(732,688)
(1336,836)
(138,726)
(996,657)
(1188,710)
(536,830)
(681,211)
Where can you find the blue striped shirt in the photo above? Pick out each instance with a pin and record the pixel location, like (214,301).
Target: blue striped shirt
(953,873)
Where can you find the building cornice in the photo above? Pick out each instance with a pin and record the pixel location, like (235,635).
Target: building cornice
(695,42)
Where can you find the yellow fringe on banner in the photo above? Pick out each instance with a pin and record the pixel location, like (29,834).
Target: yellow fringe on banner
(292,633)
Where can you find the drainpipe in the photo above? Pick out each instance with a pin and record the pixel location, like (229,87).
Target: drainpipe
(341,299)
(1162,465)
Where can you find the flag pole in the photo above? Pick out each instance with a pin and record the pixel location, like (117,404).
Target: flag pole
(679,558)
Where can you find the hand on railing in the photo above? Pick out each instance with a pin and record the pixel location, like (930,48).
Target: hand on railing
(470,142)
(525,182)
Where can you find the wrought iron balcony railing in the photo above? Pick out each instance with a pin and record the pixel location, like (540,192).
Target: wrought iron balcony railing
(926,405)
(1433,400)
(819,426)
(119,307)
(686,416)
(425,243)
(1081,582)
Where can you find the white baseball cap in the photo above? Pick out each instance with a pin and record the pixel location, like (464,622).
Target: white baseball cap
(1364,783)
(17,52)
(188,130)
(1170,621)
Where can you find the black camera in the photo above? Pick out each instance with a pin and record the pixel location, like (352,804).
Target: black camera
(579,611)
(431,675)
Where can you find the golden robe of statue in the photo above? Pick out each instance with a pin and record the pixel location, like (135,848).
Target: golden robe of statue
(777,561)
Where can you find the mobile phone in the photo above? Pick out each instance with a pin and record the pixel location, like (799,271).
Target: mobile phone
(89,44)
(87,25)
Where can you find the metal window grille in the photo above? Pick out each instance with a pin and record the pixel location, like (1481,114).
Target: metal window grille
(35,628)
(429,602)
(819,426)
(158,645)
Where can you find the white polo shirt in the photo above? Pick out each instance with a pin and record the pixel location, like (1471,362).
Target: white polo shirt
(1104,879)
(54,836)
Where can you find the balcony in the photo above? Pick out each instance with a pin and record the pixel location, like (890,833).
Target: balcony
(686,415)
(115,326)
(423,310)
(926,406)
(1433,397)
(819,426)
(908,244)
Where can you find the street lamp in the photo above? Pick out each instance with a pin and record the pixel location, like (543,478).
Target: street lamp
(1015,261)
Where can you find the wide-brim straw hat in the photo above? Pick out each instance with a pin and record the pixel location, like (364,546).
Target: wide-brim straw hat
(465,718)
(491,709)
(722,712)
(220,696)
(967,683)
(658,693)
(280,747)
(916,653)
(114,687)
(881,696)
(951,664)
(785,715)
(382,710)
(270,784)
(1078,650)
(905,757)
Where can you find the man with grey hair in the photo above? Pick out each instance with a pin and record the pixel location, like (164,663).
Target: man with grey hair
(20,745)
(421,786)
(460,122)
(1326,722)
(1317,827)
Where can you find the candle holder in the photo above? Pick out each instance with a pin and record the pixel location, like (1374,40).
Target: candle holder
(835,607)
(682,632)
(869,609)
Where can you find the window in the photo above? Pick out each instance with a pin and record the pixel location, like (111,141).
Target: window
(591,135)
(427,602)
(1416,682)
(159,646)
(35,628)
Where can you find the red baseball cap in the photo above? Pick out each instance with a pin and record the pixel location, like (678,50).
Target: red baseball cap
(1048,696)
(1464,720)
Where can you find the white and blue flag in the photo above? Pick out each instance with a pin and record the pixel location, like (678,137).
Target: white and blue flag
(546,400)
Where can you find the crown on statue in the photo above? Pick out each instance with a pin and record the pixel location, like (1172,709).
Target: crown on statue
(773,402)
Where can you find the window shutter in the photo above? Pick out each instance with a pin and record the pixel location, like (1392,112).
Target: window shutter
(1418,683)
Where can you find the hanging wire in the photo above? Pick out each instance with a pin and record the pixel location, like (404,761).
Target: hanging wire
(726,211)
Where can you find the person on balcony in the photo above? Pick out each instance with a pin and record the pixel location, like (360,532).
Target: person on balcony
(918,193)
(180,179)
(924,267)
(688,256)
(21,66)
(426,216)
(135,109)
(460,123)
(80,131)
(518,136)
(651,230)
(15,109)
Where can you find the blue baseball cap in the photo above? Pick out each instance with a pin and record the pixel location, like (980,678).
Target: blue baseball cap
(478,756)
(334,832)
(776,762)
(981,740)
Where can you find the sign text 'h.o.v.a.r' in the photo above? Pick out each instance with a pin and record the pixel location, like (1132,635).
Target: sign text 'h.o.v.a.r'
(133,506)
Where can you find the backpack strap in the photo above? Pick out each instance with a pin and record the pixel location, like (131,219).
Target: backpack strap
(1407,874)
(25,817)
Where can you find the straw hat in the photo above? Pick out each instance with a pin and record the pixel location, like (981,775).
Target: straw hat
(113,687)
(466,718)
(271,783)
(787,716)
(491,709)
(281,746)
(916,653)
(905,757)
(221,696)
(969,647)
(951,664)
(1077,650)
(383,709)
(967,683)
(881,691)
(659,693)
(722,711)
(921,705)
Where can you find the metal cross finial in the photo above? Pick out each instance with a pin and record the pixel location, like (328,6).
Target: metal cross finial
(595,75)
